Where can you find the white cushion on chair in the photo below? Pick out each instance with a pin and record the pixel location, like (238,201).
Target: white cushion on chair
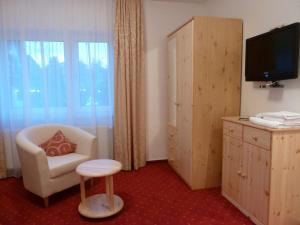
(59,165)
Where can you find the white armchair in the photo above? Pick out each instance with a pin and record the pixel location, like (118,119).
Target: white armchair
(44,175)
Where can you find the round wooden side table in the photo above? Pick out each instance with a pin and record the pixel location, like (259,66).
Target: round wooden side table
(99,205)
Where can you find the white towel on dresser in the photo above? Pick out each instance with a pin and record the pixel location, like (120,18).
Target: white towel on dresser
(285,115)
(290,122)
(282,119)
(265,123)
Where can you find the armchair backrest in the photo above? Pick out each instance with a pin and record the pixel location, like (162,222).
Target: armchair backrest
(41,133)
(86,142)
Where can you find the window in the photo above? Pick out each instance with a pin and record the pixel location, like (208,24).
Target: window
(41,73)
(36,68)
(93,59)
(15,73)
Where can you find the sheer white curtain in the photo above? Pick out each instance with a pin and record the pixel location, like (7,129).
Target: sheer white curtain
(56,66)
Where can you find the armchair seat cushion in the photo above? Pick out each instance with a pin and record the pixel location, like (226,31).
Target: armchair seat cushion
(59,165)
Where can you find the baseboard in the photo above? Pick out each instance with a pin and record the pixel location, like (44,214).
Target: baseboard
(157,160)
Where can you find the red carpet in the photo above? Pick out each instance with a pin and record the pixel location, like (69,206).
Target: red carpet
(153,195)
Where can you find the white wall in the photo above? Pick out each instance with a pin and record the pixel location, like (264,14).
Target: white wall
(105,141)
(161,18)
(260,16)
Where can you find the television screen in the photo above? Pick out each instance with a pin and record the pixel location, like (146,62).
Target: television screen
(274,55)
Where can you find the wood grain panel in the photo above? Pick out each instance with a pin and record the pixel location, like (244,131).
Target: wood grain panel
(226,165)
(269,190)
(184,119)
(258,137)
(236,119)
(285,179)
(208,74)
(172,137)
(244,167)
(172,81)
(216,93)
(233,129)
(258,180)
(231,180)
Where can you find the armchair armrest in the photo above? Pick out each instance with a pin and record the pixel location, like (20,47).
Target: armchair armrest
(34,165)
(86,142)
(28,146)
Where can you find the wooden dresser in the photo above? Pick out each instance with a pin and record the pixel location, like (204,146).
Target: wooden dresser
(261,171)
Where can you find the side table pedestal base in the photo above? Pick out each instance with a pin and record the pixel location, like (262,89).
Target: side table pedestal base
(97,206)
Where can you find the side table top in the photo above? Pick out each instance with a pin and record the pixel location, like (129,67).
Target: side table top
(99,168)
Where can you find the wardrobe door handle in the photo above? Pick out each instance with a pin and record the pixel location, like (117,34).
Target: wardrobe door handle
(254,138)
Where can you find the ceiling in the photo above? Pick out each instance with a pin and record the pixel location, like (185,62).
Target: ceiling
(194,1)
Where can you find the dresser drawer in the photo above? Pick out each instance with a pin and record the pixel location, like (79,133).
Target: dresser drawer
(233,129)
(257,137)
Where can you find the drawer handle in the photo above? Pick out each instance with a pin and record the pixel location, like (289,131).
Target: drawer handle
(254,138)
(231,130)
(239,172)
(176,104)
(267,193)
(244,175)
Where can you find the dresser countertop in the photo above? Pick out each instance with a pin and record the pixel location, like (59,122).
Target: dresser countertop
(236,119)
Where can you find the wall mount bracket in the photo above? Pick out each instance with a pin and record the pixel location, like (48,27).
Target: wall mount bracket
(272,84)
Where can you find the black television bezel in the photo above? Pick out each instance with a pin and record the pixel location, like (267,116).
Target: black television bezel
(276,76)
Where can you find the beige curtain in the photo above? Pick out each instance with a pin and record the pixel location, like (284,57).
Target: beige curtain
(2,158)
(129,121)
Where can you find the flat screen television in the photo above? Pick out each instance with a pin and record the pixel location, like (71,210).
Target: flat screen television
(274,55)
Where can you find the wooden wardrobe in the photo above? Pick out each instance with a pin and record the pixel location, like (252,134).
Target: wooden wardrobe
(204,77)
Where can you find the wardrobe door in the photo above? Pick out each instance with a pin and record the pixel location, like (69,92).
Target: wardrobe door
(258,177)
(217,71)
(232,157)
(184,55)
(172,85)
